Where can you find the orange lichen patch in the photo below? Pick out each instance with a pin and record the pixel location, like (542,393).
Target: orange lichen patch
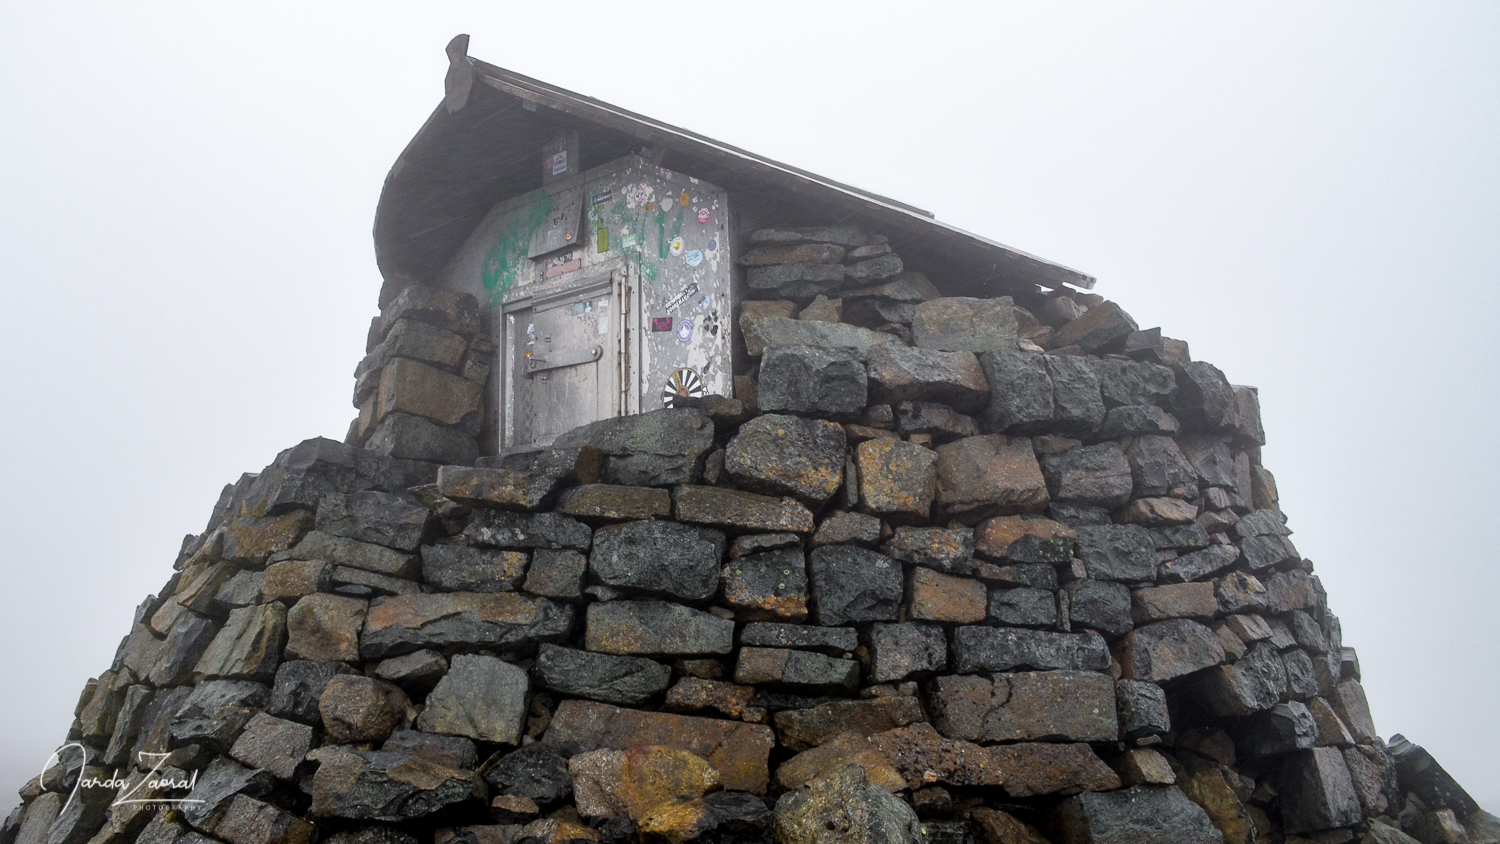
(738,750)
(256,538)
(939,597)
(896,479)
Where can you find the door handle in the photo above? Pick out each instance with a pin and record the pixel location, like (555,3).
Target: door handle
(562,358)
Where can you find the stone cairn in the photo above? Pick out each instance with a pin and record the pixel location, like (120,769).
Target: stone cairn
(947,570)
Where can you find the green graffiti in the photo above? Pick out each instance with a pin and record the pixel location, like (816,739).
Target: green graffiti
(677,224)
(628,222)
(508,255)
(630,225)
(663,237)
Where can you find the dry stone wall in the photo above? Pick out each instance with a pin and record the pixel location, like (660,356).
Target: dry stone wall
(946,570)
(420,387)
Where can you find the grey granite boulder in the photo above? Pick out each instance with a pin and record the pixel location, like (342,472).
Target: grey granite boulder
(626,680)
(845,808)
(1026,706)
(1169,649)
(389,787)
(658,558)
(217,711)
(1124,553)
(852,584)
(481,697)
(1002,649)
(1139,814)
(960,324)
(1317,792)
(377,517)
(1020,392)
(656,628)
(1097,475)
(1205,401)
(535,772)
(649,449)
(1077,404)
(778,454)
(812,381)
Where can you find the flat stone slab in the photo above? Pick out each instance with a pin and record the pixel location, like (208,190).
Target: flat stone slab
(626,680)
(740,751)
(405,623)
(655,628)
(1002,649)
(391,787)
(1026,706)
(741,511)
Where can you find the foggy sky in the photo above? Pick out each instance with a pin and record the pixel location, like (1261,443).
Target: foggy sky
(1309,194)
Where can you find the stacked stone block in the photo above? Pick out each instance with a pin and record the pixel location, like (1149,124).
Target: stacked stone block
(947,570)
(420,386)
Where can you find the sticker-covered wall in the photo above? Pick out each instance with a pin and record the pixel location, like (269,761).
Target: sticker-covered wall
(609,293)
(942,570)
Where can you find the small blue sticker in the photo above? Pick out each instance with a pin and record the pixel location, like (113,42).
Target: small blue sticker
(713,244)
(703,304)
(684,330)
(693,258)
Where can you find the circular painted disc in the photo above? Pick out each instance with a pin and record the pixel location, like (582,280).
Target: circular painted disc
(683,382)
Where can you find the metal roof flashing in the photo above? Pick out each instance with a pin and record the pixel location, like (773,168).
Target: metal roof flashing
(479,147)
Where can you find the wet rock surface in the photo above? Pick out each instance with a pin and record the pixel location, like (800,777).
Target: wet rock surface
(845,807)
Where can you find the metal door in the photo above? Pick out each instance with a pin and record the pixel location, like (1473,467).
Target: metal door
(563,360)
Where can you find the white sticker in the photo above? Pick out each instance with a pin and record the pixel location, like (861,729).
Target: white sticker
(677,246)
(683,296)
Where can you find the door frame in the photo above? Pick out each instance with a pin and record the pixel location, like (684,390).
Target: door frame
(612,278)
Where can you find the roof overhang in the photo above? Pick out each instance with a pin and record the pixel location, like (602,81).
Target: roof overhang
(481,146)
